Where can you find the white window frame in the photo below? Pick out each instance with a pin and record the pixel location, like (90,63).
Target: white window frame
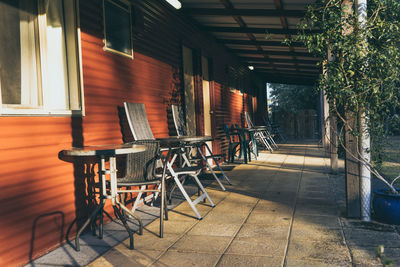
(129,10)
(74,64)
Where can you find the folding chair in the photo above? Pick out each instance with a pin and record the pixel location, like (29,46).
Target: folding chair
(275,129)
(179,121)
(262,134)
(140,128)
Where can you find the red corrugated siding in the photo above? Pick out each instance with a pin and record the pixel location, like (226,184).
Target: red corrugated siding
(42,194)
(229,110)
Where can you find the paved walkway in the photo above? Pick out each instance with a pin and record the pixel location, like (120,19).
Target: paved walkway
(282,210)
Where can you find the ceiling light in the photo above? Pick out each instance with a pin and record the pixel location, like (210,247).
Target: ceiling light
(251,67)
(175,3)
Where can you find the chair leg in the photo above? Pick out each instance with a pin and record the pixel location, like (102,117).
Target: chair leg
(218,166)
(134,216)
(123,219)
(162,209)
(210,168)
(203,189)
(165,206)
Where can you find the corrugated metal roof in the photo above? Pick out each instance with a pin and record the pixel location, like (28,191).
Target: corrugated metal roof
(242,26)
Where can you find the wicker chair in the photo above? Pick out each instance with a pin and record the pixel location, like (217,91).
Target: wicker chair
(141,176)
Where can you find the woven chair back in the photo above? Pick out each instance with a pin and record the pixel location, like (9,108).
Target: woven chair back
(141,167)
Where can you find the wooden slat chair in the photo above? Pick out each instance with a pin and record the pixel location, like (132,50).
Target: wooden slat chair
(262,134)
(180,126)
(140,128)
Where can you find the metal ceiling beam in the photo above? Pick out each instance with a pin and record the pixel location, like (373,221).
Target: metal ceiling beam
(242,24)
(289,80)
(255,30)
(289,73)
(272,53)
(243,12)
(311,61)
(267,43)
(280,66)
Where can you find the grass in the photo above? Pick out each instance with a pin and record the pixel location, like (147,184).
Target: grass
(391,161)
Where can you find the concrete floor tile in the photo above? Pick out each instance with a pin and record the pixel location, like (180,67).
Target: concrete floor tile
(314,194)
(316,234)
(291,262)
(264,231)
(240,199)
(149,241)
(201,244)
(229,260)
(313,209)
(170,226)
(185,209)
(221,217)
(229,207)
(326,251)
(280,209)
(179,216)
(315,201)
(178,259)
(268,219)
(257,247)
(315,221)
(212,229)
(122,256)
(68,256)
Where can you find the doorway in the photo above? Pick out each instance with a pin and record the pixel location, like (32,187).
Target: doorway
(188,79)
(207,101)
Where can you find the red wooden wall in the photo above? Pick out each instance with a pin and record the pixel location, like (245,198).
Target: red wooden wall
(41,194)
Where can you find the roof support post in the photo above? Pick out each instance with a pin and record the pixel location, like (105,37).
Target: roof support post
(333,138)
(325,121)
(333,143)
(365,142)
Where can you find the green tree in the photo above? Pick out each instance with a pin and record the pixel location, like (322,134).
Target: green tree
(363,75)
(293,98)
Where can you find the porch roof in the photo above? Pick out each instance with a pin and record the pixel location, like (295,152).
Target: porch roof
(254,31)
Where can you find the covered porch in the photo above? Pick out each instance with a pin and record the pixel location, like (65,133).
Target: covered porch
(284,209)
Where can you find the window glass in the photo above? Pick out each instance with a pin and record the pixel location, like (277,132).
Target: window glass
(57,74)
(39,59)
(18,54)
(117,24)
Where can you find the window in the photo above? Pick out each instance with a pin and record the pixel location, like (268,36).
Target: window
(39,58)
(117,27)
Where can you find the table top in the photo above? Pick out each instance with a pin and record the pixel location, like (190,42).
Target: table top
(104,150)
(246,129)
(189,139)
(260,127)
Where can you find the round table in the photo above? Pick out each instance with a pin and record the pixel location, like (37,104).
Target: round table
(184,139)
(103,153)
